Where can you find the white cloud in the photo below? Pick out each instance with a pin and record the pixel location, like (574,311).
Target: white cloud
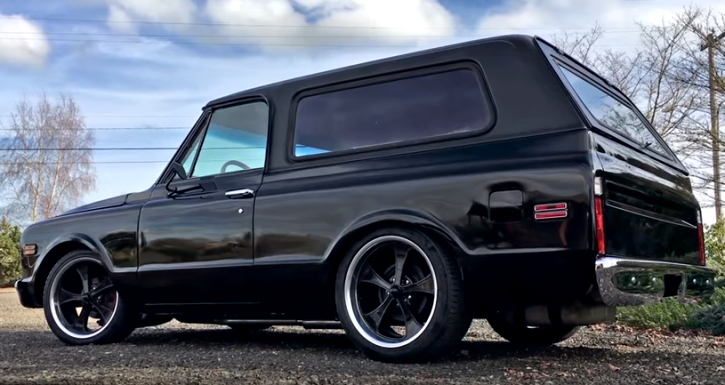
(279,23)
(119,20)
(173,13)
(23,42)
(619,18)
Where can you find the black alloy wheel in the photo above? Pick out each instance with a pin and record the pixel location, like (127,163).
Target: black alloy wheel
(81,303)
(400,296)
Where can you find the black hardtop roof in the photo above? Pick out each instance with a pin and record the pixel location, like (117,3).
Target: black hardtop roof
(422,53)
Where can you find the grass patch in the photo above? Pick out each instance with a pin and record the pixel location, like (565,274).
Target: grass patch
(666,314)
(672,315)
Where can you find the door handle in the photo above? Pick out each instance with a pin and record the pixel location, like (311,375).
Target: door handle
(239,194)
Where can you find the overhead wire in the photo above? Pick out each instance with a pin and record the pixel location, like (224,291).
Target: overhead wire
(169,22)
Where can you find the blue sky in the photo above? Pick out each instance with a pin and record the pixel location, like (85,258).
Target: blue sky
(151,65)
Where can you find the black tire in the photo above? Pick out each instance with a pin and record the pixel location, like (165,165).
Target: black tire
(447,321)
(121,318)
(522,335)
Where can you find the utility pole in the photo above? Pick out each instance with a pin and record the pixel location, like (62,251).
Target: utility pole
(709,45)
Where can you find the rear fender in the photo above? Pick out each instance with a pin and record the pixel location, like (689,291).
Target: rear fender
(391,216)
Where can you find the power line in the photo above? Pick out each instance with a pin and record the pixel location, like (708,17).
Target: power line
(129,116)
(408,45)
(239,44)
(308,26)
(91,162)
(238,36)
(122,148)
(93,149)
(115,162)
(101,129)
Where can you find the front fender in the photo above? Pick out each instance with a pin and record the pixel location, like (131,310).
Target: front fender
(87,241)
(30,288)
(83,239)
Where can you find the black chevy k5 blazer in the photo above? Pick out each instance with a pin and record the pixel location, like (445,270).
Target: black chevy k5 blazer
(399,199)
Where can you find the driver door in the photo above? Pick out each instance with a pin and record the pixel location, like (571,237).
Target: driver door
(196,247)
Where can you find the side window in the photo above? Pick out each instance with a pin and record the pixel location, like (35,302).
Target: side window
(235,140)
(401,110)
(609,111)
(189,157)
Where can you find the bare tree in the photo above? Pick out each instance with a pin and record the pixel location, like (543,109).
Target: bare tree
(647,75)
(665,79)
(705,61)
(46,158)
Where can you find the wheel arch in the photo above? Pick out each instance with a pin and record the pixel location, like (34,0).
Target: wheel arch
(56,250)
(382,219)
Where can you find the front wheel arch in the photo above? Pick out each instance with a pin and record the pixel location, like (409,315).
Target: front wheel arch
(51,258)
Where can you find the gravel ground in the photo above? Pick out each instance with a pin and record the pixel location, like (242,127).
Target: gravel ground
(178,353)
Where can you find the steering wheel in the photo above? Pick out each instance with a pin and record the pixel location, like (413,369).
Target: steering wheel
(234,163)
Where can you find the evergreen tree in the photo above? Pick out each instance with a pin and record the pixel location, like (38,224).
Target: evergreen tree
(10,269)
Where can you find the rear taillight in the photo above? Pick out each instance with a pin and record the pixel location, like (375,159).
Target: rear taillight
(599,214)
(701,237)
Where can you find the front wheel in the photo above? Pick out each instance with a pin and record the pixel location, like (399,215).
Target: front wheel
(400,296)
(81,304)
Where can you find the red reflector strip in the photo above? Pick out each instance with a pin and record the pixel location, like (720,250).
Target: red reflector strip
(599,220)
(550,215)
(550,207)
(701,237)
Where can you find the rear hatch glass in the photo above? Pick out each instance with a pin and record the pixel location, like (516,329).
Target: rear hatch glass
(649,209)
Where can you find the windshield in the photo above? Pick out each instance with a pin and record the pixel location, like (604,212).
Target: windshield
(610,112)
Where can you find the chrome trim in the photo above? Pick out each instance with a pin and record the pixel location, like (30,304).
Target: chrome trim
(635,282)
(244,191)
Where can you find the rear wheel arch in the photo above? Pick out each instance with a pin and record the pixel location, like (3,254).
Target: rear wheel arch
(356,232)
(446,324)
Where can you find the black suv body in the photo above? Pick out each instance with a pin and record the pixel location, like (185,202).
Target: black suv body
(398,199)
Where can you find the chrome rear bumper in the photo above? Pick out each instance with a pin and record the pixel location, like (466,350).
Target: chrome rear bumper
(634,282)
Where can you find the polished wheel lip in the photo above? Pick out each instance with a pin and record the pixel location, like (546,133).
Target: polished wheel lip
(54,306)
(350,306)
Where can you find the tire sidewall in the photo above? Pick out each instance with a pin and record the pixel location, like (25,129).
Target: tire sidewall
(437,323)
(118,327)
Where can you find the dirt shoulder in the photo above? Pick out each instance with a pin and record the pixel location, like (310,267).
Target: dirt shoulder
(179,354)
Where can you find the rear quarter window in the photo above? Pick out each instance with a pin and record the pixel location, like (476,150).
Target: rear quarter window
(398,111)
(611,112)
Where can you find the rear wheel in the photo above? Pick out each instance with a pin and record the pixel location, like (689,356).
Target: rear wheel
(534,336)
(400,296)
(81,304)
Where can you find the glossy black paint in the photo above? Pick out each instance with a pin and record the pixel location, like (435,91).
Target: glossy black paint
(196,253)
(110,232)
(650,212)
(197,247)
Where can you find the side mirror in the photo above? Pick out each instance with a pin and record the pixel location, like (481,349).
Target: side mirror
(179,170)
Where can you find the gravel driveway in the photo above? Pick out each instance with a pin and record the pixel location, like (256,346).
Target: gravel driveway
(178,353)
